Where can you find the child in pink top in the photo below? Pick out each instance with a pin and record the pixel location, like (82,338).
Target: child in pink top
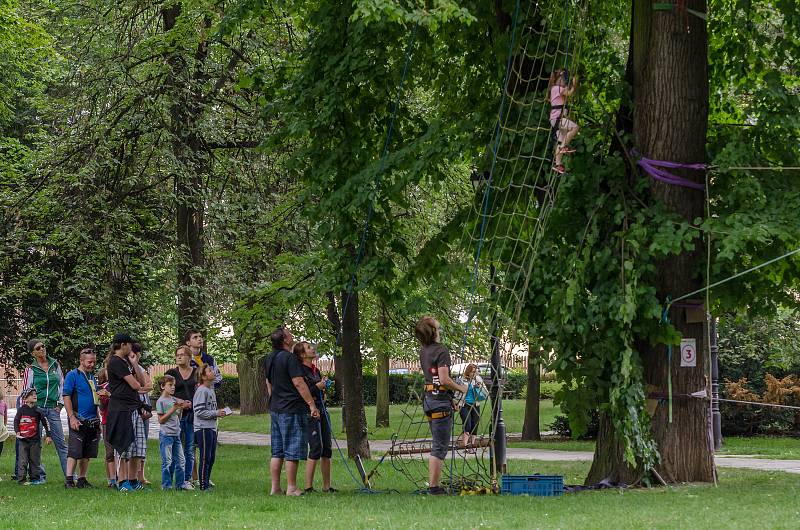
(566,129)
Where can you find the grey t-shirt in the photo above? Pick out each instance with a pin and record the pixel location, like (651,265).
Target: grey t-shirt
(171,427)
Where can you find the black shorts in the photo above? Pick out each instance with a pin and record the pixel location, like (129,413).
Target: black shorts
(83,442)
(441,431)
(318,434)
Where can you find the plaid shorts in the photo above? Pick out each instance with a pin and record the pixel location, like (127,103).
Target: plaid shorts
(137,449)
(288,435)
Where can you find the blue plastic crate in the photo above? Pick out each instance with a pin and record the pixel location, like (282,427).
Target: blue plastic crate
(537,485)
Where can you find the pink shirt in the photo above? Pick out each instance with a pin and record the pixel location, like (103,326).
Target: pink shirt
(557,98)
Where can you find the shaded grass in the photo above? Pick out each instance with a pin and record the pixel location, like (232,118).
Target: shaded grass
(513,415)
(744,499)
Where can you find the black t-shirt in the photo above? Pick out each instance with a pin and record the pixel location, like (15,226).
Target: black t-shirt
(431,357)
(312,377)
(184,388)
(280,367)
(123,397)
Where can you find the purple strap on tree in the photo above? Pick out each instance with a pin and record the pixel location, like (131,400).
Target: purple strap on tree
(651,167)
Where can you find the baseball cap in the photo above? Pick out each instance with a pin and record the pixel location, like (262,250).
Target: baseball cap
(122,338)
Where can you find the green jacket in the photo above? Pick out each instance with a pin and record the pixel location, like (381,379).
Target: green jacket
(48,384)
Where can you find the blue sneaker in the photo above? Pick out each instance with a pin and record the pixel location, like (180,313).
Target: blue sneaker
(36,482)
(125,487)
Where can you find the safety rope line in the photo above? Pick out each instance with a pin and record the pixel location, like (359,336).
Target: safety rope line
(737,275)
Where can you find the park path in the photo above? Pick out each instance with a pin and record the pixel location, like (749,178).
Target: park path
(513,453)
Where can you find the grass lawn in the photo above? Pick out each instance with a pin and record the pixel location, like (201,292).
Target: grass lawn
(513,414)
(744,499)
(557,445)
(782,448)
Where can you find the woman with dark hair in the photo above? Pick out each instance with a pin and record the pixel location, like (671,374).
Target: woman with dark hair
(318,431)
(144,396)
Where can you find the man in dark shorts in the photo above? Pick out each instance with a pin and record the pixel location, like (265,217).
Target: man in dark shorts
(81,401)
(437,401)
(289,406)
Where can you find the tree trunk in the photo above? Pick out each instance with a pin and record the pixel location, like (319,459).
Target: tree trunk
(192,164)
(670,93)
(382,373)
(530,426)
(352,380)
(252,379)
(349,374)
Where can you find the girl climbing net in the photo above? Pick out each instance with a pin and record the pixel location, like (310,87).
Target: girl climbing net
(559,90)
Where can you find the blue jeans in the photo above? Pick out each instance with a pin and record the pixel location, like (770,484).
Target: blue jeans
(187,439)
(57,434)
(172,461)
(206,440)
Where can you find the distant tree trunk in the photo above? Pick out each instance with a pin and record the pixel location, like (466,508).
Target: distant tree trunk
(530,426)
(382,372)
(252,379)
(349,373)
(670,94)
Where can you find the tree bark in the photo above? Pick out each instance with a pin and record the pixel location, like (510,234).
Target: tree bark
(382,373)
(530,426)
(252,379)
(352,380)
(349,374)
(192,162)
(252,385)
(670,88)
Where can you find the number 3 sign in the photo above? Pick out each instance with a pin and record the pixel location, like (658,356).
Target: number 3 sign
(688,352)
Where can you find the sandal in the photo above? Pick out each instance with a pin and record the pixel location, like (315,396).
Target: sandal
(330,490)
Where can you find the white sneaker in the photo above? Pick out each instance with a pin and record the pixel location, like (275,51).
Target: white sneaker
(188,485)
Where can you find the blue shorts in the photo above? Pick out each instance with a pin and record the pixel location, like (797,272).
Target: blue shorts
(288,433)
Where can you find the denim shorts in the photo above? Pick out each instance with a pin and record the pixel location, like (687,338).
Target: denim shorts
(288,434)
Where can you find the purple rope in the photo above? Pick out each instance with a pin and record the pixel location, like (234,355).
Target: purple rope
(652,168)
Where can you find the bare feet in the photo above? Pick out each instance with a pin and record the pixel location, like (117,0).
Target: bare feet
(276,492)
(293,492)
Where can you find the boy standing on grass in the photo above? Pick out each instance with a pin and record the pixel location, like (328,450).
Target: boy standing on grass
(205,423)
(28,424)
(169,410)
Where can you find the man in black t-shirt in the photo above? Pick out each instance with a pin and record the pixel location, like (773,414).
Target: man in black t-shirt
(124,425)
(437,401)
(289,406)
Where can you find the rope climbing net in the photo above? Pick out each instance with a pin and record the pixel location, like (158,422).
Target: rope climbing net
(515,193)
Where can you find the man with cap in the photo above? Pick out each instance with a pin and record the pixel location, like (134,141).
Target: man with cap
(124,423)
(44,375)
(81,401)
